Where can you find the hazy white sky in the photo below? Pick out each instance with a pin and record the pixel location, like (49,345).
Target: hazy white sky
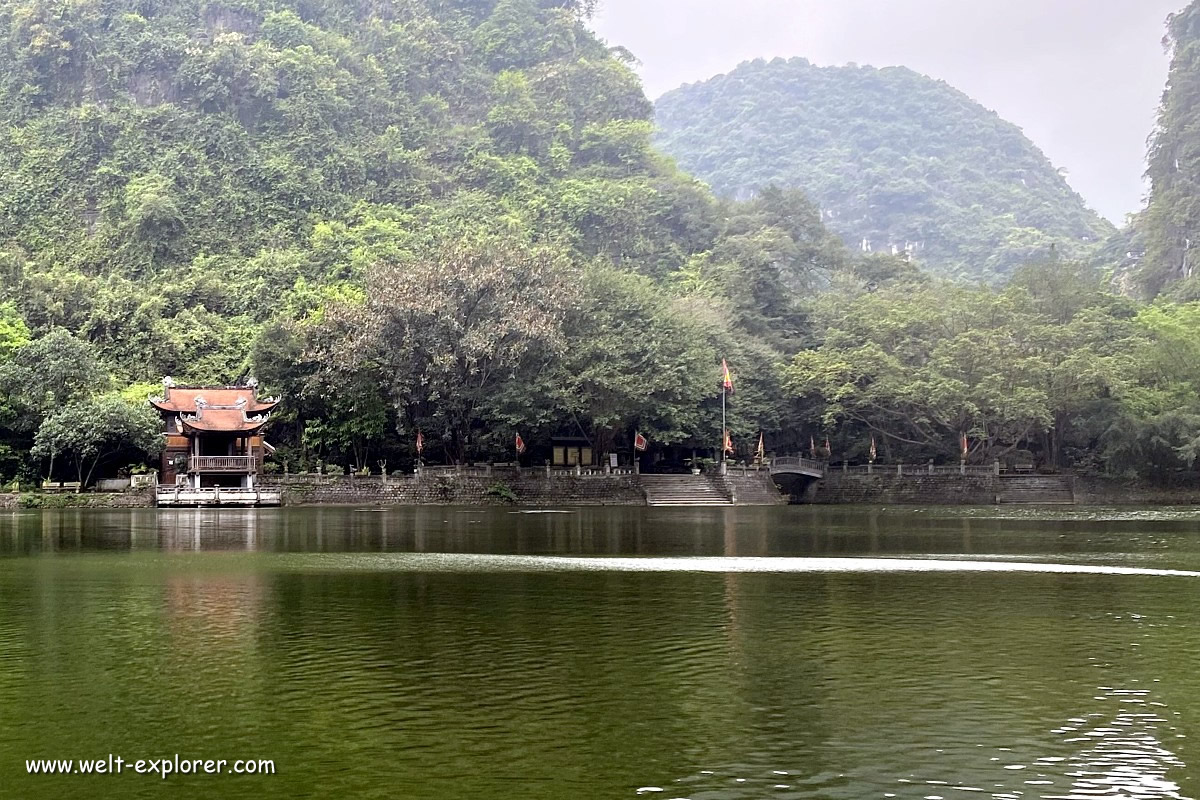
(1082,77)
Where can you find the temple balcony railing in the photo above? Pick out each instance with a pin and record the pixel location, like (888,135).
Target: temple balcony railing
(239,464)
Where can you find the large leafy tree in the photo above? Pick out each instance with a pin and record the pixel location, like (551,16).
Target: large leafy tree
(443,330)
(1021,368)
(94,430)
(48,373)
(634,359)
(1155,429)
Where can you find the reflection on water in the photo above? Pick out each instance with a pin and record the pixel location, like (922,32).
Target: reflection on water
(1122,536)
(1121,752)
(703,654)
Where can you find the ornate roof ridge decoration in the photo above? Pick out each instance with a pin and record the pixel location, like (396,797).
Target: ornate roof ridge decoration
(215,409)
(214,386)
(202,404)
(199,415)
(246,424)
(229,398)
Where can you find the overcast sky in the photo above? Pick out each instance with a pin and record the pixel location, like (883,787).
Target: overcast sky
(1083,78)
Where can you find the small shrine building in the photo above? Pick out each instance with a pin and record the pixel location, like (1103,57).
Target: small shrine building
(214,435)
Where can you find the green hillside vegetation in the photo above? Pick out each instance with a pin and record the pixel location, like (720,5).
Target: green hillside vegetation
(1170,226)
(209,191)
(896,161)
(449,217)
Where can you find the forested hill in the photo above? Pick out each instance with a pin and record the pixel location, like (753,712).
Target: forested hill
(1170,226)
(447,216)
(435,215)
(174,173)
(896,160)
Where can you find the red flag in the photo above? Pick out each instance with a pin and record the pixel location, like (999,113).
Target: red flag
(639,443)
(728,442)
(726,378)
(420,443)
(873,451)
(966,448)
(520,445)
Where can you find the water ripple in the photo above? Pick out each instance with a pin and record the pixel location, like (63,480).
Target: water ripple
(442,562)
(723,655)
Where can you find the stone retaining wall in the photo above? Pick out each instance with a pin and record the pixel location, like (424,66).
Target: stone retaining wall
(945,490)
(885,489)
(138,499)
(756,489)
(528,489)
(535,489)
(1098,491)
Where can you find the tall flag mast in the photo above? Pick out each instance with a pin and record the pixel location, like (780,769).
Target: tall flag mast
(726,388)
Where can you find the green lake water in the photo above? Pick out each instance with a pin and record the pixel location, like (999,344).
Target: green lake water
(710,654)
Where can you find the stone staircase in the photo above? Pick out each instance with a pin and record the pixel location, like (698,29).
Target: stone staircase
(684,490)
(1042,490)
(752,489)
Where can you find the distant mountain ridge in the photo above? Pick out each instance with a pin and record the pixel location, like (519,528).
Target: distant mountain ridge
(897,160)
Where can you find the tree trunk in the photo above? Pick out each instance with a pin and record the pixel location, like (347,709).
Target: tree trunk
(91,471)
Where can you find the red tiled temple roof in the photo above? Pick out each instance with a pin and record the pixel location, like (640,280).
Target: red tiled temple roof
(210,420)
(182,399)
(204,409)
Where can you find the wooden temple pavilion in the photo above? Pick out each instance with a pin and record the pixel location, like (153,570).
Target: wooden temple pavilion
(214,445)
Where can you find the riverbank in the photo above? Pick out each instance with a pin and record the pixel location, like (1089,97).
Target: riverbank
(889,488)
(451,488)
(536,490)
(475,487)
(1093,491)
(129,499)
(500,487)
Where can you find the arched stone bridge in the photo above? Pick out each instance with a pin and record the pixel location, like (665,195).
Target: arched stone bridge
(791,465)
(797,476)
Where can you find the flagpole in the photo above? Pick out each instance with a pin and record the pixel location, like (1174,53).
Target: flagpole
(724,434)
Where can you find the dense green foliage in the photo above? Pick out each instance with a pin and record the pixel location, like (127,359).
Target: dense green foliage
(896,161)
(447,217)
(88,431)
(206,190)
(1052,363)
(1170,225)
